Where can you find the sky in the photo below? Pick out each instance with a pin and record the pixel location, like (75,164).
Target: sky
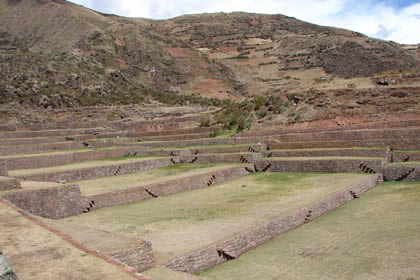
(395,20)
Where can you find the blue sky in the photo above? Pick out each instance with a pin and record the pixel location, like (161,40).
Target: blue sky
(396,20)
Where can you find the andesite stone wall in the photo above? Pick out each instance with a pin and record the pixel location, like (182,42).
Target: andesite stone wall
(243,242)
(150,126)
(195,130)
(100,171)
(179,137)
(40,161)
(395,144)
(6,271)
(406,156)
(140,256)
(227,158)
(47,133)
(182,184)
(402,173)
(3,168)
(39,148)
(404,133)
(60,125)
(321,153)
(373,125)
(8,183)
(186,143)
(196,151)
(392,135)
(322,165)
(51,202)
(8,127)
(60,146)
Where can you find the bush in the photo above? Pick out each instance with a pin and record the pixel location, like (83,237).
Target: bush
(205,121)
(237,116)
(259,102)
(262,112)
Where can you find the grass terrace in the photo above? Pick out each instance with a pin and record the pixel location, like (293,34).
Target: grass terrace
(180,223)
(374,237)
(322,158)
(109,184)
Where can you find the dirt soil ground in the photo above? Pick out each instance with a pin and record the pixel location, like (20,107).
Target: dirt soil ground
(36,253)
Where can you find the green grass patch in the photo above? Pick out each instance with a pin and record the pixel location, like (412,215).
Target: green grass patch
(330,149)
(125,157)
(404,163)
(406,151)
(374,237)
(323,158)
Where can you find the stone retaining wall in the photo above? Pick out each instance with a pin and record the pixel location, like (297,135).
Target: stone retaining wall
(52,202)
(404,157)
(48,133)
(8,127)
(100,171)
(160,125)
(405,133)
(3,169)
(140,256)
(40,161)
(176,137)
(222,158)
(186,143)
(395,144)
(6,271)
(402,173)
(373,125)
(62,146)
(60,125)
(195,130)
(39,148)
(7,183)
(243,242)
(324,153)
(183,184)
(322,165)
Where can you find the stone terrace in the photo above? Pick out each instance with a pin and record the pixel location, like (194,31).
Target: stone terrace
(72,181)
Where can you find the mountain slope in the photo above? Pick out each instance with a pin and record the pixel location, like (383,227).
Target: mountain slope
(55,53)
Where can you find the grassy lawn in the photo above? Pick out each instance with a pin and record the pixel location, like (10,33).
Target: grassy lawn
(374,237)
(404,163)
(183,222)
(201,147)
(109,184)
(322,158)
(406,151)
(330,149)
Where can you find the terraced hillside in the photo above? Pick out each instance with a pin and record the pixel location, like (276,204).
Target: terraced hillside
(167,199)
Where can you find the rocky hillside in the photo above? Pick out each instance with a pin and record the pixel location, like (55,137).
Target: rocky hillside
(54,53)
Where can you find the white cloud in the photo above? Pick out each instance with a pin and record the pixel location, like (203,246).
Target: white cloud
(371,18)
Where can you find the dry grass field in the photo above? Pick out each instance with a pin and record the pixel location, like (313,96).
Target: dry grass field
(37,253)
(374,237)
